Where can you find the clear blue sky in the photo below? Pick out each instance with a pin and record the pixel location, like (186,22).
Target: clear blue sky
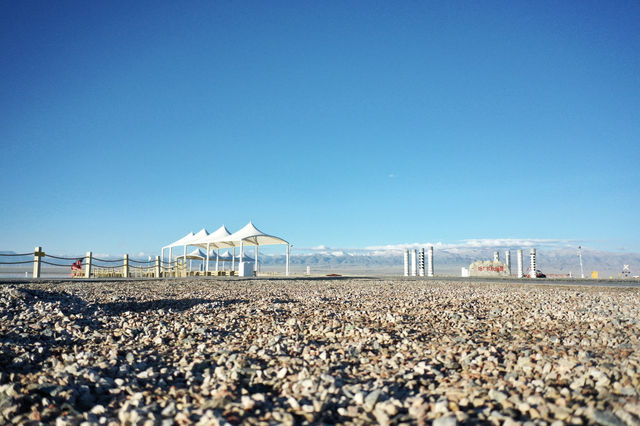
(125,125)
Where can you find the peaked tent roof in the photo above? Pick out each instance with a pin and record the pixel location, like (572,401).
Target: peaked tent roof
(194,238)
(228,257)
(213,239)
(181,241)
(195,254)
(250,235)
(225,256)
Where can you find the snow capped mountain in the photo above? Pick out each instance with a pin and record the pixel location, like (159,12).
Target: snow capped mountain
(449,260)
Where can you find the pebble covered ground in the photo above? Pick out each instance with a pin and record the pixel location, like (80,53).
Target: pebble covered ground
(347,351)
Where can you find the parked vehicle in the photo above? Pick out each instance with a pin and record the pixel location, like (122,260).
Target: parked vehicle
(539,273)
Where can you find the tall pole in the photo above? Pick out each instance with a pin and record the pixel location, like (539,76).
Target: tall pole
(286,271)
(414,261)
(507,260)
(233,260)
(406,263)
(217,259)
(421,262)
(520,266)
(241,261)
(206,269)
(532,266)
(170,259)
(580,255)
(255,264)
(430,262)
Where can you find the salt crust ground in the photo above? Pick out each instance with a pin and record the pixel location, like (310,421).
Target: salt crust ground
(352,351)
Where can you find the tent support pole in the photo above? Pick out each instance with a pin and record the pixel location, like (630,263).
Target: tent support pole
(217,257)
(286,271)
(207,266)
(170,257)
(185,260)
(255,265)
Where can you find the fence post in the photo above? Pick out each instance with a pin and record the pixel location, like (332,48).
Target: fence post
(37,253)
(87,265)
(158,275)
(125,267)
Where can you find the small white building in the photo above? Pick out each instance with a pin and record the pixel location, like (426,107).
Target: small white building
(489,268)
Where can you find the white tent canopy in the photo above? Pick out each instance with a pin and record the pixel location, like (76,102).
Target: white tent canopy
(214,239)
(181,241)
(178,243)
(196,237)
(225,257)
(190,240)
(249,235)
(228,257)
(195,254)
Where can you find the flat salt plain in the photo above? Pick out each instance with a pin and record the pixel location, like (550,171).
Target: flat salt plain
(346,350)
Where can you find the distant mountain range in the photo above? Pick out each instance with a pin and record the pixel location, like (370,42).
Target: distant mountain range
(447,261)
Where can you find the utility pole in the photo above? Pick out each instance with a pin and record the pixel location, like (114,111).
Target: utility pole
(580,256)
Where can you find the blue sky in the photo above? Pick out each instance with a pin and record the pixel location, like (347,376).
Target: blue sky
(125,125)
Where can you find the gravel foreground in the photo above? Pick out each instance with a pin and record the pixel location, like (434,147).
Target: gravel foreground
(353,351)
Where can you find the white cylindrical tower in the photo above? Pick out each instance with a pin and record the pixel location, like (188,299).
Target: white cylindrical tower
(406,263)
(414,262)
(520,271)
(421,262)
(507,259)
(496,256)
(532,266)
(430,262)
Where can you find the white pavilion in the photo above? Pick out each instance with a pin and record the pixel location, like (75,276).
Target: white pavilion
(248,236)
